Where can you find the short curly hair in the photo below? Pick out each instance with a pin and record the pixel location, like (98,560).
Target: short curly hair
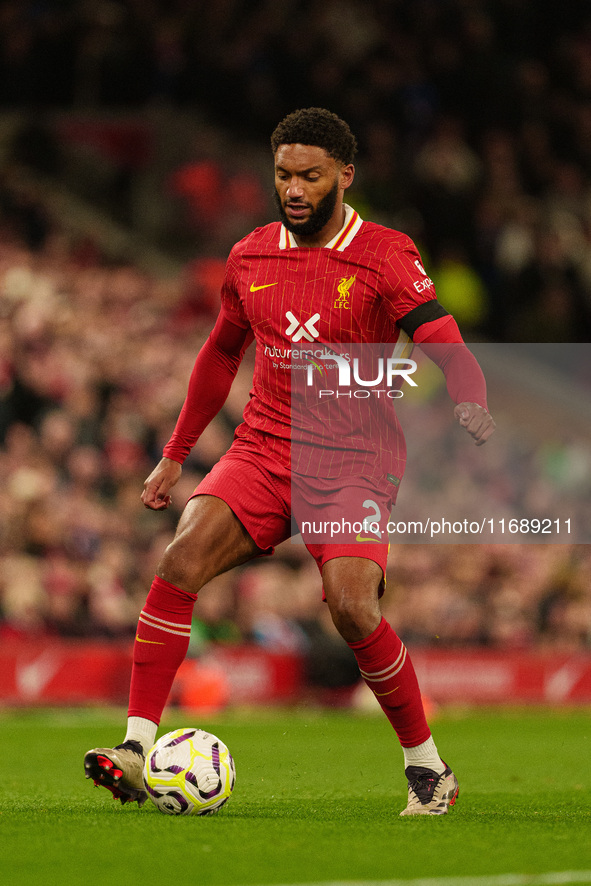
(317,127)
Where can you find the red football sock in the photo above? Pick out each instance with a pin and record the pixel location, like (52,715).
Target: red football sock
(388,671)
(161,644)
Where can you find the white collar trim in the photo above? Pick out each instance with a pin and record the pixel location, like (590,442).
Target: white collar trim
(344,237)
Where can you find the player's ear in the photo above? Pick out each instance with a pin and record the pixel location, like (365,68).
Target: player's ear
(347,175)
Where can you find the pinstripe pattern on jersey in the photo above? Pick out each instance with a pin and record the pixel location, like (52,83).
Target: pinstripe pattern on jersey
(387,285)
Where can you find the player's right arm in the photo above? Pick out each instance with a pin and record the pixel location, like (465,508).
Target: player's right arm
(156,494)
(211,379)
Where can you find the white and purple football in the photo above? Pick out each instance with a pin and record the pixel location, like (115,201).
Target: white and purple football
(189,772)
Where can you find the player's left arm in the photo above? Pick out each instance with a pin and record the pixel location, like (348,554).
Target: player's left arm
(409,297)
(430,326)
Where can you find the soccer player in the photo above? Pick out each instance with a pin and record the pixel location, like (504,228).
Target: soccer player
(321,275)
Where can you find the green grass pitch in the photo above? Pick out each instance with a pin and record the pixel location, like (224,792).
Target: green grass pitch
(316,801)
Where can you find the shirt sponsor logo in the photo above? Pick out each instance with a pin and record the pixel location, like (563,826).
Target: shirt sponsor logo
(303,354)
(426,282)
(298,331)
(344,292)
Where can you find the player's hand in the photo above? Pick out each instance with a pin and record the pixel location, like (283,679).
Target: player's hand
(158,485)
(477,421)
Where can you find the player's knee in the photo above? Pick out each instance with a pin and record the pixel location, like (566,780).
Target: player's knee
(181,567)
(355,616)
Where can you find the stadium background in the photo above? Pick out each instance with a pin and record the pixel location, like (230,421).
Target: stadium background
(134,152)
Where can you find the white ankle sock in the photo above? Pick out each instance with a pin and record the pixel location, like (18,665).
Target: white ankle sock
(424,755)
(141,730)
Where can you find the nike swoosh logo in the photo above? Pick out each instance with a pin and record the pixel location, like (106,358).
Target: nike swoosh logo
(361,538)
(153,642)
(255,288)
(386,693)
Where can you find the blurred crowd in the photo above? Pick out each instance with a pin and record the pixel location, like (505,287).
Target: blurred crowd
(474,123)
(94,363)
(473,118)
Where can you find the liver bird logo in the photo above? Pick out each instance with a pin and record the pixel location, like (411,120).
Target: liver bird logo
(344,291)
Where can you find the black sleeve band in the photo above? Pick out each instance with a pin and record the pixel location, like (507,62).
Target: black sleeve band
(429,310)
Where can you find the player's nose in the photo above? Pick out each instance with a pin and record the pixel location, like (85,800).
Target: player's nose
(295,188)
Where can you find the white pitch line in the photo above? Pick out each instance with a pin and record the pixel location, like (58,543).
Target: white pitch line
(554,878)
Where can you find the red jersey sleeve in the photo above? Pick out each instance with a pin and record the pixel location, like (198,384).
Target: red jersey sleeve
(442,342)
(405,283)
(232,307)
(406,288)
(214,371)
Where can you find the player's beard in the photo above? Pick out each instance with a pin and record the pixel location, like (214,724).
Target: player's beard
(318,217)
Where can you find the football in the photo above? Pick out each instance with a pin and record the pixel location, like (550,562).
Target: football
(189,772)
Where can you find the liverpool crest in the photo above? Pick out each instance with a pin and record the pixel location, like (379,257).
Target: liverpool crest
(344,291)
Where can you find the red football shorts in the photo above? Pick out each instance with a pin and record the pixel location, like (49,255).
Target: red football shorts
(258,489)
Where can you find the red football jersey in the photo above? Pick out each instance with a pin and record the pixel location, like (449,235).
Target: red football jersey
(296,299)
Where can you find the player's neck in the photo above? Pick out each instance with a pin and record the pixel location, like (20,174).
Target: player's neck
(328,232)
